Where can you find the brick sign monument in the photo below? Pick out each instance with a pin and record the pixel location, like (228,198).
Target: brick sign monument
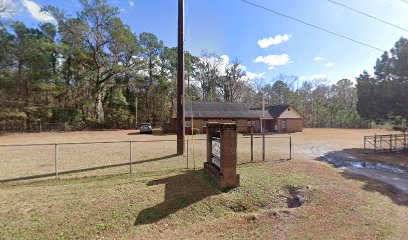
(221,163)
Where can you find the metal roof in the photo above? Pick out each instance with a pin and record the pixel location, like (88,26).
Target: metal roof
(198,109)
(271,112)
(259,114)
(217,110)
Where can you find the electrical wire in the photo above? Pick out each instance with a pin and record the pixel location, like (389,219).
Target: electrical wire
(368,15)
(312,25)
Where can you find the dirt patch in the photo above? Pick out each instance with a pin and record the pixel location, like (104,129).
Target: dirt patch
(297,196)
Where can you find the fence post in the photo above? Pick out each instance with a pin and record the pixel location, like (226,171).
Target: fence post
(187,153)
(390,142)
(130,157)
(380,142)
(40,127)
(405,140)
(263,145)
(375,142)
(365,139)
(252,143)
(290,147)
(194,161)
(56,160)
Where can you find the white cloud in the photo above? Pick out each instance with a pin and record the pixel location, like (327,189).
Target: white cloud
(242,67)
(131,3)
(225,58)
(278,39)
(251,75)
(9,8)
(223,61)
(302,78)
(318,58)
(273,60)
(36,12)
(330,64)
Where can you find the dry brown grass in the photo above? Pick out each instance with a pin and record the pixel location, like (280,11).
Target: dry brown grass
(150,153)
(317,142)
(160,200)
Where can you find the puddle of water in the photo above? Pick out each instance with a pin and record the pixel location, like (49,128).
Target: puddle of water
(354,163)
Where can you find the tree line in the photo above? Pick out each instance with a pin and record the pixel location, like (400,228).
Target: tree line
(92,69)
(383,97)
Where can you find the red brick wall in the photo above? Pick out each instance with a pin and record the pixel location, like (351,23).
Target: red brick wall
(292,125)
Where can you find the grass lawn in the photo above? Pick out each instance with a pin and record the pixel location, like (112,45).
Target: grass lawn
(185,204)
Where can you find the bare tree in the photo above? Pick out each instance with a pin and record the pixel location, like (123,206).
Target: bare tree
(289,80)
(209,75)
(7,8)
(233,84)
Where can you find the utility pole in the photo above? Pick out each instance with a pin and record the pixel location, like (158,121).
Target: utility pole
(263,113)
(262,127)
(180,80)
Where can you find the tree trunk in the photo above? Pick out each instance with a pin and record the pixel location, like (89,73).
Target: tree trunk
(100,115)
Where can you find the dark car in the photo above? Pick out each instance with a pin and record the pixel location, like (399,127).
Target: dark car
(146,128)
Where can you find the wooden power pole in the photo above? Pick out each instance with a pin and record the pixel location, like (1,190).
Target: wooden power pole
(180,80)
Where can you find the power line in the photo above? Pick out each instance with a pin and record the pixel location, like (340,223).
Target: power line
(368,15)
(314,26)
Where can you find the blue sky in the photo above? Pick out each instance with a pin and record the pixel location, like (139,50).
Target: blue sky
(234,29)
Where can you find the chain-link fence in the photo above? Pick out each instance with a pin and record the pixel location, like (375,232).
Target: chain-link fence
(25,161)
(64,160)
(20,126)
(250,148)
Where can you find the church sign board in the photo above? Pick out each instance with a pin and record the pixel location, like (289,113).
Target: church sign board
(216,153)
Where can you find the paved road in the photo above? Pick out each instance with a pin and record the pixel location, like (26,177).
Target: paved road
(397,180)
(394,176)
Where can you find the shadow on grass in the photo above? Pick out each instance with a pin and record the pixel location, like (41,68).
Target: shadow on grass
(134,133)
(277,161)
(88,169)
(156,132)
(383,175)
(180,192)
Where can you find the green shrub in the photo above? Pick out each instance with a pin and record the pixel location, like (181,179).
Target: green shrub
(195,131)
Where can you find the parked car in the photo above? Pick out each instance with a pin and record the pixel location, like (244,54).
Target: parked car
(146,128)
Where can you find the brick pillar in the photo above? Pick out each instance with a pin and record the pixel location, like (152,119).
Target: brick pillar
(228,142)
(226,175)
